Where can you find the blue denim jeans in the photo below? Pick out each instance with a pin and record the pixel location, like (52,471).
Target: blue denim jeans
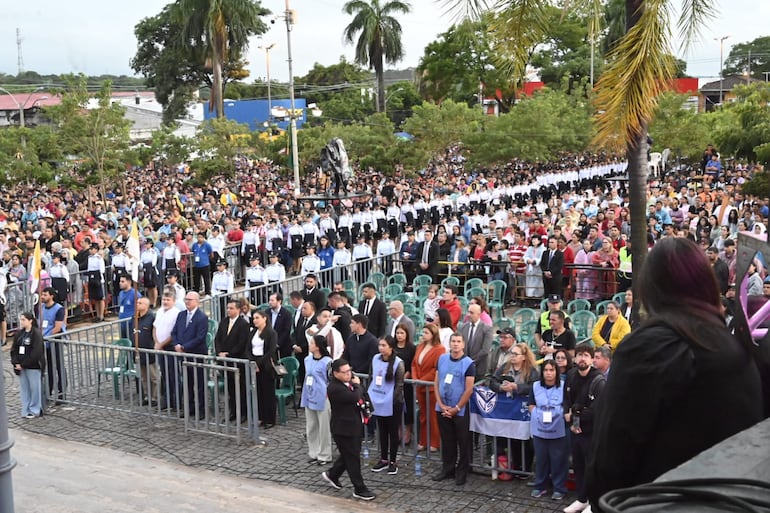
(551,461)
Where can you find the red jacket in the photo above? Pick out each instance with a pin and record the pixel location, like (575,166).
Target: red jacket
(455,312)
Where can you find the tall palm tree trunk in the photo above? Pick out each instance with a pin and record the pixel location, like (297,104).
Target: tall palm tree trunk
(637,181)
(379,72)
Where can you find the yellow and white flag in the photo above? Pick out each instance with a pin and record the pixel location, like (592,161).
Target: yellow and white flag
(34,272)
(133,251)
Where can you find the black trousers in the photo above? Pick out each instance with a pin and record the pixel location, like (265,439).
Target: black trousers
(349,460)
(55,369)
(455,441)
(266,396)
(388,429)
(581,451)
(205,273)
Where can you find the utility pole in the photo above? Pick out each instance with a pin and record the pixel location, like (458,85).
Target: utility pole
(289,15)
(19,55)
(269,96)
(721,61)
(6,461)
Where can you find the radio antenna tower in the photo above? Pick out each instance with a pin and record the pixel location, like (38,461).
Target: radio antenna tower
(20,57)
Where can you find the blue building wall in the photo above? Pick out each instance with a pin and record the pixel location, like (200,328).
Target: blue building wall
(255,112)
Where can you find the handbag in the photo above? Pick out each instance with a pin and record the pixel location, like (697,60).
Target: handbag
(279,368)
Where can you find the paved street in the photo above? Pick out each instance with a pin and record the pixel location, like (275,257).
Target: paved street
(281,461)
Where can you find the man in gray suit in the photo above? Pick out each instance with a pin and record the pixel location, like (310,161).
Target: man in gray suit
(478,337)
(396,317)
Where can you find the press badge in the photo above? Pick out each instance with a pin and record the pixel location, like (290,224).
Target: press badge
(22,350)
(45,323)
(121,309)
(448,379)
(309,381)
(197,259)
(547,417)
(378,381)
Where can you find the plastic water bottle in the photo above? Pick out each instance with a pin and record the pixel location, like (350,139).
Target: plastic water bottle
(417,465)
(493,463)
(366,451)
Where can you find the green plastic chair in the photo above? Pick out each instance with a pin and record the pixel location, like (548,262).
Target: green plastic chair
(601,308)
(419,323)
(288,387)
(463,304)
(577,305)
(504,323)
(392,290)
(523,315)
(473,282)
(409,308)
(526,334)
(422,279)
(326,291)
(349,284)
(450,280)
(212,326)
(583,324)
(378,279)
(120,366)
(421,292)
(290,308)
(472,292)
(544,304)
(619,298)
(398,279)
(210,344)
(497,289)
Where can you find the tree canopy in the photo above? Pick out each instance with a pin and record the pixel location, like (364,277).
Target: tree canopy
(753,55)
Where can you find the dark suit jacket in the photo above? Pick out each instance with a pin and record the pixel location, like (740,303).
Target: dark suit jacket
(433,257)
(271,348)
(556,264)
(193,337)
(378,317)
(316,297)
(282,328)
(346,414)
(299,338)
(480,347)
(343,323)
(236,342)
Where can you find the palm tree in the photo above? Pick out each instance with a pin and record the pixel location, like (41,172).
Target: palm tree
(221,28)
(639,67)
(380,37)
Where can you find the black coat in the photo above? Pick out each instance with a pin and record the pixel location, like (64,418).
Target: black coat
(34,350)
(264,362)
(346,412)
(300,339)
(666,401)
(236,342)
(378,317)
(282,328)
(316,297)
(433,258)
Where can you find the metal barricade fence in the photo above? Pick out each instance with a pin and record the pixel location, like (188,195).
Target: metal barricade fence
(485,449)
(92,367)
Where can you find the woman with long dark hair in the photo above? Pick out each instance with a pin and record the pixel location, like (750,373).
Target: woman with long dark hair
(386,391)
(264,348)
(28,359)
(700,385)
(405,350)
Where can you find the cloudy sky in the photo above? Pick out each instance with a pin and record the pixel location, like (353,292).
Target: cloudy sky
(96,37)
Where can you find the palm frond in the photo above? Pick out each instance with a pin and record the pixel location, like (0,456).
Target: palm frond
(639,68)
(459,10)
(515,31)
(695,14)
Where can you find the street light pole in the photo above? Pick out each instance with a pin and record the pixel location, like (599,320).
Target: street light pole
(267,63)
(721,73)
(289,15)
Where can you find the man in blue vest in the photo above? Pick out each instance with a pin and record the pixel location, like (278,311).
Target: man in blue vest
(201,253)
(53,324)
(453,388)
(127,306)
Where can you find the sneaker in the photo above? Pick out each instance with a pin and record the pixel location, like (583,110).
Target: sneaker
(536,494)
(557,496)
(364,495)
(392,469)
(30,416)
(576,507)
(334,482)
(380,466)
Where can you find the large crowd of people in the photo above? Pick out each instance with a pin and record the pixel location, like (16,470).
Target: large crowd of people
(555,231)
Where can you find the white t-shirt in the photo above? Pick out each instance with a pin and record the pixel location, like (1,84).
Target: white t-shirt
(164,322)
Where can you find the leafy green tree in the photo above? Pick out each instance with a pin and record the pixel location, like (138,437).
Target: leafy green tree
(98,136)
(173,70)
(436,127)
(637,69)
(748,135)
(217,27)
(336,89)
(682,130)
(401,98)
(454,64)
(32,161)
(753,54)
(217,142)
(379,38)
